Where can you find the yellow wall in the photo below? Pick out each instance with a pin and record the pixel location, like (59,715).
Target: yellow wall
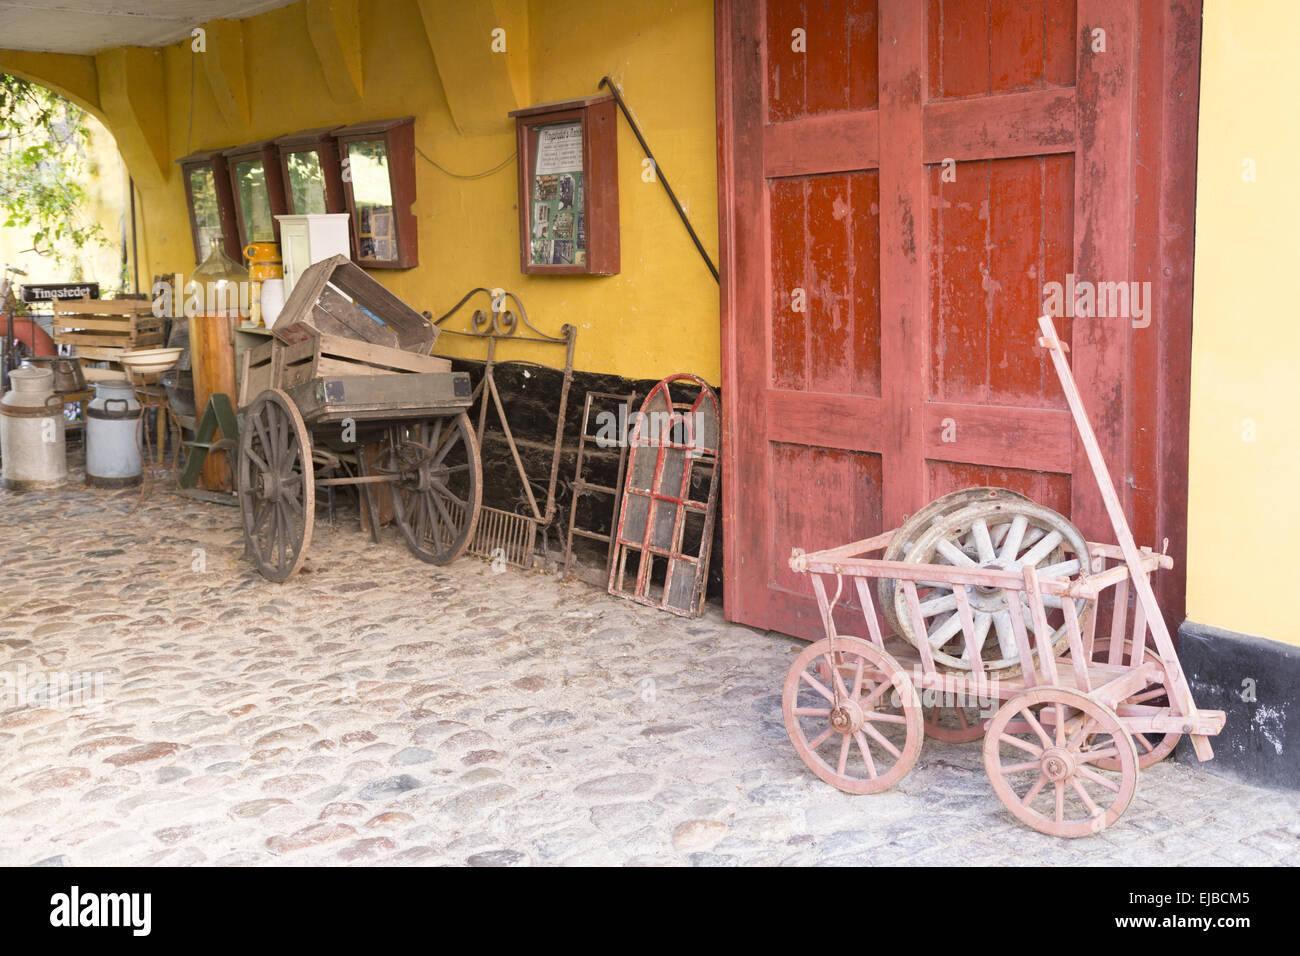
(1244,511)
(659,315)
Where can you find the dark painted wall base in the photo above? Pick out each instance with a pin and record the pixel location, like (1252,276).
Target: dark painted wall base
(1257,683)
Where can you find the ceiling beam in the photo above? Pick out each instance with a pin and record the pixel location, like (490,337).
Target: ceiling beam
(472,49)
(223,62)
(133,98)
(335,30)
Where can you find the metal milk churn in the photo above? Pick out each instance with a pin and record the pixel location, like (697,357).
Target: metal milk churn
(31,432)
(112,450)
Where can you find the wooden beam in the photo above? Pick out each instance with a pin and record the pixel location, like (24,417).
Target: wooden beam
(223,62)
(335,30)
(853,138)
(1036,123)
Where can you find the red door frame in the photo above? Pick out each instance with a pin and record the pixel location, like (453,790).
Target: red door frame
(1154,91)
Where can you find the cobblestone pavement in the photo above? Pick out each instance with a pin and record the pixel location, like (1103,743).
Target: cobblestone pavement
(379,710)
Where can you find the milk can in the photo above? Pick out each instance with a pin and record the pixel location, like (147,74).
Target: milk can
(112,451)
(31,432)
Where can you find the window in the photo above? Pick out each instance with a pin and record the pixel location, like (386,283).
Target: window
(312,180)
(378,172)
(211,205)
(258,191)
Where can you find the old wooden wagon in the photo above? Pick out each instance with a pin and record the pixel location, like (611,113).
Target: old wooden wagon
(989,628)
(346,393)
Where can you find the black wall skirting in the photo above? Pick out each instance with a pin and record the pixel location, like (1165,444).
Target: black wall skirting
(1257,683)
(531,397)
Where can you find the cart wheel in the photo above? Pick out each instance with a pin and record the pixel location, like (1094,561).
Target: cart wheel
(1044,752)
(901,543)
(1005,534)
(277,495)
(439,490)
(875,731)
(954,725)
(1151,747)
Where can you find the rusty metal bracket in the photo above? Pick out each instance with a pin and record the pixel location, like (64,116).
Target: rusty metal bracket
(502,533)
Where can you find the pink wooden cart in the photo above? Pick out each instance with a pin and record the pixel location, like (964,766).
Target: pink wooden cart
(1068,715)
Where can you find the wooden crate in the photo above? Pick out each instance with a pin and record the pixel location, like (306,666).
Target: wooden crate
(330,297)
(101,329)
(300,353)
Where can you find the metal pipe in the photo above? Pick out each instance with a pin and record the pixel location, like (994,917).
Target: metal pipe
(659,174)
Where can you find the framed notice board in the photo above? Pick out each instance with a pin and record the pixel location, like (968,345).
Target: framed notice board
(568,187)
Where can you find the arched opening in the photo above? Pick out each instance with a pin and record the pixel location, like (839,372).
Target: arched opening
(65,191)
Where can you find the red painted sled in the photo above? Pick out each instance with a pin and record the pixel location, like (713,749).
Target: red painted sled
(990,606)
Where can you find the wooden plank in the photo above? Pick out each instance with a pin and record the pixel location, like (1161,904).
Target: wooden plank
(1035,123)
(121,307)
(380,355)
(845,141)
(1031,438)
(832,421)
(101,339)
(1103,231)
(96,354)
(903,230)
(106,324)
(326,366)
(352,318)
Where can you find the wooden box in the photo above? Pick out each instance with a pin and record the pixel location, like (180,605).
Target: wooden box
(330,297)
(101,329)
(302,353)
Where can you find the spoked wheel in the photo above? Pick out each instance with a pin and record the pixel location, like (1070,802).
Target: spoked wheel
(439,487)
(1152,747)
(998,535)
(901,543)
(860,730)
(954,725)
(1044,753)
(277,495)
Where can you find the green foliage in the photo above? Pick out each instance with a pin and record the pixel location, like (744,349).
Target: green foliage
(42,143)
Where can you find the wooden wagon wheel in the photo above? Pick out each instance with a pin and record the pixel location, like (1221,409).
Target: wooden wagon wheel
(868,711)
(901,543)
(1044,753)
(274,479)
(1152,747)
(439,486)
(954,725)
(1001,535)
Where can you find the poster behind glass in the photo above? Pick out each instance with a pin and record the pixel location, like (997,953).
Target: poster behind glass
(558,233)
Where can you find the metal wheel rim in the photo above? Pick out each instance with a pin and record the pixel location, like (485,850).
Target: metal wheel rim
(277,495)
(1060,789)
(439,491)
(874,766)
(999,519)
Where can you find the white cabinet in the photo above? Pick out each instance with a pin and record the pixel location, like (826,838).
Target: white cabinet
(311,238)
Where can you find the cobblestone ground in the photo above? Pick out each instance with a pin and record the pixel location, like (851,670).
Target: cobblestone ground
(379,710)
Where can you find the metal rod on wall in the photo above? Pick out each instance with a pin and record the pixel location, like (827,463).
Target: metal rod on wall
(659,173)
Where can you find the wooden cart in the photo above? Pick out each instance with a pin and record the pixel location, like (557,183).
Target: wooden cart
(346,393)
(1068,717)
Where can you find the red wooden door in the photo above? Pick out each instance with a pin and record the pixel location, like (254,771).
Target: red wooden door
(899,181)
